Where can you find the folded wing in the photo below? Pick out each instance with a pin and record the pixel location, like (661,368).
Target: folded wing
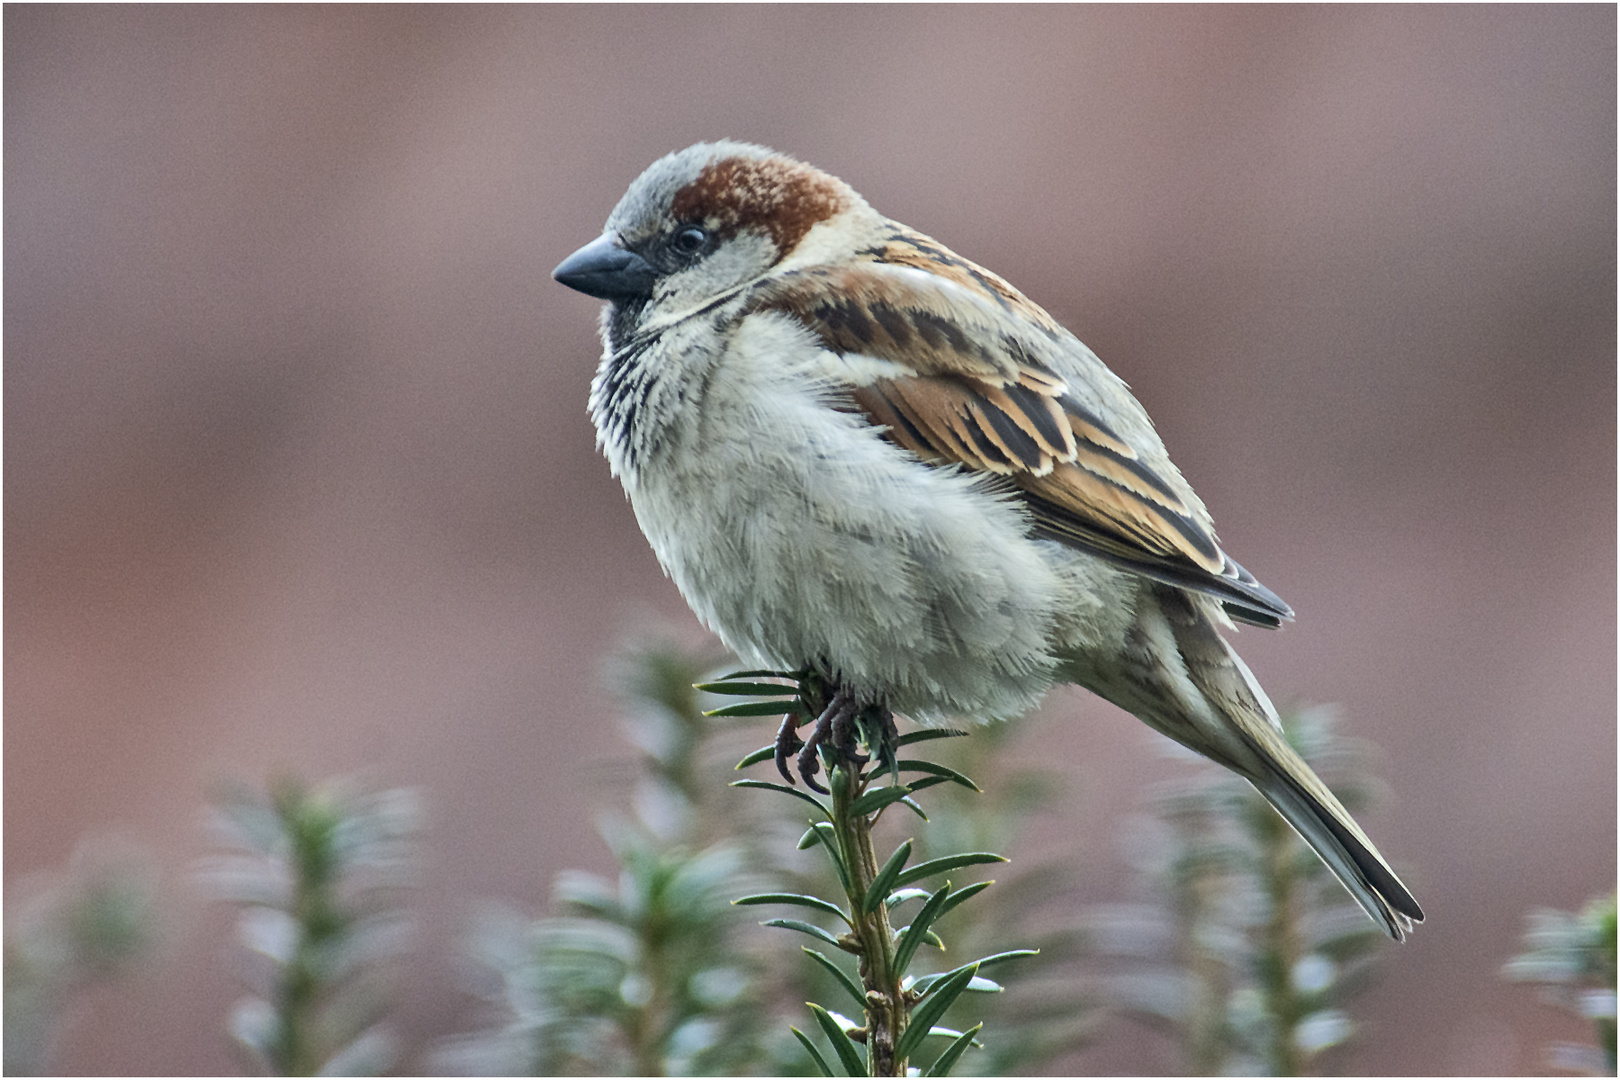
(961,382)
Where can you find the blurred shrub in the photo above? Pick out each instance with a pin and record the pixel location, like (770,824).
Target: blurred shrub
(1250,948)
(65,931)
(1247,953)
(316,872)
(651,974)
(1571,956)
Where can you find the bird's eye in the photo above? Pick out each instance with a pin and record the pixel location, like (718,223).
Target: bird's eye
(690,241)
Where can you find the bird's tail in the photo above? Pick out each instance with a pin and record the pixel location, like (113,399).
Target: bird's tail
(1299,795)
(1214,705)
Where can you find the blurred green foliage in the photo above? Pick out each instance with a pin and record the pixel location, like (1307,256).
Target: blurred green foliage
(660,973)
(317,873)
(65,931)
(1571,957)
(1249,949)
(654,973)
(1245,951)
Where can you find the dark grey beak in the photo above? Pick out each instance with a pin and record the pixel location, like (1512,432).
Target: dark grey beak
(606,271)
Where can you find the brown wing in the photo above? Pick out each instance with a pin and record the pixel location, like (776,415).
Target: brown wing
(972,393)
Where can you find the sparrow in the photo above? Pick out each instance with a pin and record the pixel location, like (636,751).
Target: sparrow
(859,454)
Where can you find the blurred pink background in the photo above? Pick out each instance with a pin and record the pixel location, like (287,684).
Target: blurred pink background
(299,477)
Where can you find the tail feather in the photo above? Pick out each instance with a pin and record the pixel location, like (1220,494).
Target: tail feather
(1247,738)
(1327,826)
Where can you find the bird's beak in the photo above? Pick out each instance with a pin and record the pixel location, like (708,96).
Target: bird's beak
(606,271)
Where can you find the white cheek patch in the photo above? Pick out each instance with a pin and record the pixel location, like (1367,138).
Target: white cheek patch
(732,267)
(742,258)
(738,261)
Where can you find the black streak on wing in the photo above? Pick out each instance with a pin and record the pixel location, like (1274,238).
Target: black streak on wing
(1153,481)
(1072,405)
(985,445)
(848,323)
(1034,407)
(873,401)
(950,258)
(893,323)
(936,329)
(1016,438)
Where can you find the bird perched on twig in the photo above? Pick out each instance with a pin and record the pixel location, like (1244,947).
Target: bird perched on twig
(859,454)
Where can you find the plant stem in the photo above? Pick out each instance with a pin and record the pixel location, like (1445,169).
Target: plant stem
(1280,950)
(647,1023)
(1209,1033)
(310,826)
(887,1008)
(870,938)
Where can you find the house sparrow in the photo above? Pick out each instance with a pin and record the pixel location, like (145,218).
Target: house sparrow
(859,454)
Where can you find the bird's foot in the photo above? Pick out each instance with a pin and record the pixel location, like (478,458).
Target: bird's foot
(834,728)
(841,728)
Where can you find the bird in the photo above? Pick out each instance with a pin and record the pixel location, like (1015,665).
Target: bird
(859,454)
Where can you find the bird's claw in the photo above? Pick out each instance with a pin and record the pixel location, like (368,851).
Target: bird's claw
(810,757)
(787,744)
(835,725)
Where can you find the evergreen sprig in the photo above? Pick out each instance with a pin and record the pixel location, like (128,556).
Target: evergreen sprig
(899,1011)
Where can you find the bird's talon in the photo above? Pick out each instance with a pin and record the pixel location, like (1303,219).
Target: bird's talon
(809,765)
(787,744)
